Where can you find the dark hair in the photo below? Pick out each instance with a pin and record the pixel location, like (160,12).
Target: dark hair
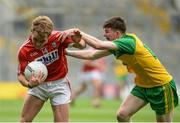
(115,23)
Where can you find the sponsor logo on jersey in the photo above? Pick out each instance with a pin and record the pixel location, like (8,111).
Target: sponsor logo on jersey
(49,58)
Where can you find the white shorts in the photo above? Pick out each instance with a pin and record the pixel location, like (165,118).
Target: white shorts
(89,76)
(58,91)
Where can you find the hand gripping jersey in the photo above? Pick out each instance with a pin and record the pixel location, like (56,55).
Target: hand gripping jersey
(142,61)
(52,54)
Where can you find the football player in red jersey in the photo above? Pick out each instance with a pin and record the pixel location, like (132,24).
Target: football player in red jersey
(46,45)
(92,74)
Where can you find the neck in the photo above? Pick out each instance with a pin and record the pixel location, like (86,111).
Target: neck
(121,35)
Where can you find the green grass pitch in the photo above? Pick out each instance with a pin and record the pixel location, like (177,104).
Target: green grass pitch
(82,111)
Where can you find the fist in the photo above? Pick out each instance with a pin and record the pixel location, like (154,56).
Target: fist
(76,36)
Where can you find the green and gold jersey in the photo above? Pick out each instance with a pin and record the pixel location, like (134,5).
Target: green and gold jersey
(142,61)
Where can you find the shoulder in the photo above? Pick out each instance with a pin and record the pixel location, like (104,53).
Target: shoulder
(126,39)
(54,35)
(24,50)
(125,44)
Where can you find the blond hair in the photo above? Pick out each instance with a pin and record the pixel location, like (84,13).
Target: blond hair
(42,25)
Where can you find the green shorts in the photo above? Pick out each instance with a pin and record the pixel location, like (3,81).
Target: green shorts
(162,99)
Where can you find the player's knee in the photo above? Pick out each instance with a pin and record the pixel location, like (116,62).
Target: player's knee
(122,116)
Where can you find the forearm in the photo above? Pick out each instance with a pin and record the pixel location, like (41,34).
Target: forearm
(33,82)
(92,41)
(23,80)
(84,54)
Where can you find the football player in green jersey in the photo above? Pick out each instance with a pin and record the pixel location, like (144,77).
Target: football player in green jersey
(153,84)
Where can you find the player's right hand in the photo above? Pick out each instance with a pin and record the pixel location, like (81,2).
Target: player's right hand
(73,33)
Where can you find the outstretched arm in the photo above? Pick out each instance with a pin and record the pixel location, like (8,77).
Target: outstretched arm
(90,40)
(96,43)
(87,54)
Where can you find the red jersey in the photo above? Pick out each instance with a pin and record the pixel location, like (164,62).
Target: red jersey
(94,65)
(52,54)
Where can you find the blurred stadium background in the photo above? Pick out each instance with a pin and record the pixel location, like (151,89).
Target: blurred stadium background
(157,22)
